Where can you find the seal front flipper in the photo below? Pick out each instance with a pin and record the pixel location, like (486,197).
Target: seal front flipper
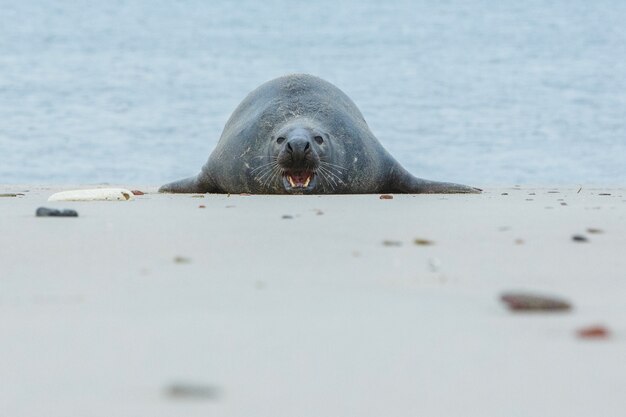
(403,182)
(191,185)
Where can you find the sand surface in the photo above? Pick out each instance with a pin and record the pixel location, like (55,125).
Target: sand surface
(312,305)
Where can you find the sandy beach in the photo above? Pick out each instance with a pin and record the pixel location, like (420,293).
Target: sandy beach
(312,305)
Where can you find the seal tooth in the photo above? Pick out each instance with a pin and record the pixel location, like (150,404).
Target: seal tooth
(293,184)
(308,180)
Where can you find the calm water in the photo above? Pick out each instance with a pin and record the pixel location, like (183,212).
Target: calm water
(481,92)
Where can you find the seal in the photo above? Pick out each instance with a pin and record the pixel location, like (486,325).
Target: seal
(299,134)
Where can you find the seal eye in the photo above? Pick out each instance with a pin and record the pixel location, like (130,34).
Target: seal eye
(319,140)
(280,140)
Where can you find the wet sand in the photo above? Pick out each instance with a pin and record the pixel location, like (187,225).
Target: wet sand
(312,305)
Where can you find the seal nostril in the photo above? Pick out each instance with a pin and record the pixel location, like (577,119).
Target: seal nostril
(307,146)
(289,147)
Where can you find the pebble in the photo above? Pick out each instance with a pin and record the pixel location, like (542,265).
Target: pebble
(593,332)
(391,243)
(181,260)
(96,194)
(594,231)
(201,206)
(580,238)
(386,197)
(423,242)
(192,391)
(287,216)
(519,301)
(48,212)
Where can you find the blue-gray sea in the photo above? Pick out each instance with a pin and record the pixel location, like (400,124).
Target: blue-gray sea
(479,92)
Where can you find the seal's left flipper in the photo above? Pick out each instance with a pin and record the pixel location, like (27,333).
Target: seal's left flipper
(403,182)
(191,185)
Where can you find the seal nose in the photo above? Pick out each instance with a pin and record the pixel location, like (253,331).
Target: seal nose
(298,148)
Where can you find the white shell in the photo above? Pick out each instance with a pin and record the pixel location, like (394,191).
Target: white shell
(96,194)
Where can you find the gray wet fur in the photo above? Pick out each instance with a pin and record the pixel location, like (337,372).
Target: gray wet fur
(352,160)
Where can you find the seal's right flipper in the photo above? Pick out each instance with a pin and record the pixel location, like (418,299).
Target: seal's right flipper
(190,185)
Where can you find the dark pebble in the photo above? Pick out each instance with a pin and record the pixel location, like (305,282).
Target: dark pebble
(563,204)
(423,242)
(386,197)
(604,194)
(594,231)
(504,194)
(579,238)
(48,212)
(530,302)
(287,216)
(593,332)
(201,206)
(391,243)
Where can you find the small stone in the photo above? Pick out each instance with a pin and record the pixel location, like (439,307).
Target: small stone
(553,192)
(593,332)
(529,199)
(391,243)
(423,242)
(518,301)
(580,238)
(318,212)
(48,212)
(201,206)
(504,194)
(604,194)
(198,196)
(181,260)
(386,197)
(563,204)
(137,192)
(11,195)
(594,231)
(519,241)
(192,391)
(287,216)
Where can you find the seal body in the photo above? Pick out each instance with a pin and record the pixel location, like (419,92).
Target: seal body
(299,134)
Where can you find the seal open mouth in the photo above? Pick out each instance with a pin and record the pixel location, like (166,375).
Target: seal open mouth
(299,180)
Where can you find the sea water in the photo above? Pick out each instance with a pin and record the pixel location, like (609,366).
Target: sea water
(479,92)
